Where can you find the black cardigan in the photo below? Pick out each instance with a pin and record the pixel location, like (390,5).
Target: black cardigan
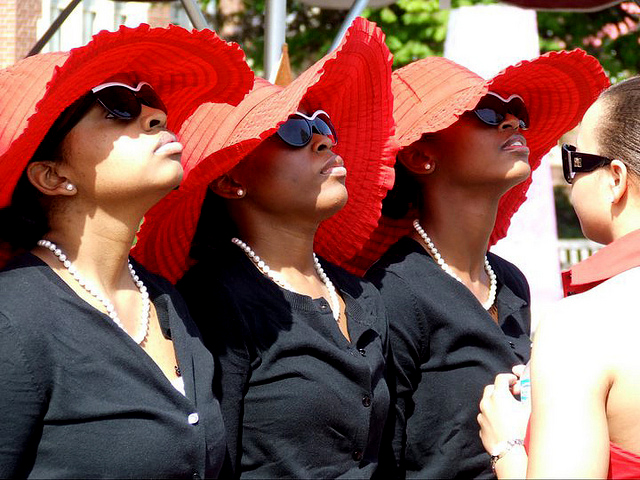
(80,399)
(298,399)
(446,349)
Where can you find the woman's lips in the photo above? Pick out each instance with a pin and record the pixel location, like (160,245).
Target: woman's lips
(516,142)
(170,148)
(168,145)
(335,171)
(335,167)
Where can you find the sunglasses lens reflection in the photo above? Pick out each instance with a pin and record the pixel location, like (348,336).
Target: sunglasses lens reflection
(150,98)
(489,116)
(120,102)
(126,104)
(492,111)
(566,162)
(521,113)
(295,131)
(324,127)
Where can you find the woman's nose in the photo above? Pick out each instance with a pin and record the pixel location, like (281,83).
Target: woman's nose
(321,142)
(510,121)
(152,118)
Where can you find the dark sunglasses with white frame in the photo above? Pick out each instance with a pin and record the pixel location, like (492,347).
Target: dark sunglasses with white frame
(298,130)
(492,109)
(124,101)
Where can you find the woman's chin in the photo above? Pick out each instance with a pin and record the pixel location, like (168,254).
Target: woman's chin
(330,205)
(519,173)
(165,187)
(172,180)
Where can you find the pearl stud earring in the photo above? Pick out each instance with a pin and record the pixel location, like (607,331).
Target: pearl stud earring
(240,192)
(70,187)
(427,166)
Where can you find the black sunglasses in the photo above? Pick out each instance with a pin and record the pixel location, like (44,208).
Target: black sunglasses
(124,101)
(298,130)
(577,162)
(492,109)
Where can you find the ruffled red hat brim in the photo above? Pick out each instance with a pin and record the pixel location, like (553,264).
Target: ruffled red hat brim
(353,85)
(185,68)
(431,94)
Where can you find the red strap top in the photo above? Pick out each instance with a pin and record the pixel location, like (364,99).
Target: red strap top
(622,464)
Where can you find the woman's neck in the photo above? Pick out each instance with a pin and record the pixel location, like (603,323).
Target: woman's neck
(283,247)
(625,218)
(97,245)
(460,227)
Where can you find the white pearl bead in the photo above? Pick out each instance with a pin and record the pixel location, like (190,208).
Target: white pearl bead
(275,277)
(109,307)
(493,283)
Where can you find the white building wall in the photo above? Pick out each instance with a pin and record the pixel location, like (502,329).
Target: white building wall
(92,16)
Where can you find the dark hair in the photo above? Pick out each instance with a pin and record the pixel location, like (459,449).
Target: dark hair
(404,196)
(618,133)
(25,220)
(215,227)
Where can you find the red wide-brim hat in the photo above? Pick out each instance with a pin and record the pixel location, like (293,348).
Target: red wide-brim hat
(185,68)
(431,94)
(353,85)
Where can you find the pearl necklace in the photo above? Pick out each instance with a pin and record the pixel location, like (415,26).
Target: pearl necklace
(277,279)
(111,311)
(493,283)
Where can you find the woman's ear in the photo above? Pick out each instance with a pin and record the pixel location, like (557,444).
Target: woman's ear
(417,160)
(45,177)
(226,187)
(619,176)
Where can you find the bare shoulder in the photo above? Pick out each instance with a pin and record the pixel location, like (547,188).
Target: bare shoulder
(612,302)
(601,320)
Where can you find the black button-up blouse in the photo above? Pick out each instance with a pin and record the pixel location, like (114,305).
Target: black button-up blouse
(80,399)
(446,349)
(299,400)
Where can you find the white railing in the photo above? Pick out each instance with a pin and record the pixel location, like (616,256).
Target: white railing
(572,251)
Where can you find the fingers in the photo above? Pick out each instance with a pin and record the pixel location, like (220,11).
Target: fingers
(504,381)
(488,390)
(518,369)
(480,418)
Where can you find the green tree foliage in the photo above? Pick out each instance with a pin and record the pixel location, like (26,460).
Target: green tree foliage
(611,35)
(417,28)
(567,221)
(309,32)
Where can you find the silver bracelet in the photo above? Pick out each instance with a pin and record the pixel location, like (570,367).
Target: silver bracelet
(502,449)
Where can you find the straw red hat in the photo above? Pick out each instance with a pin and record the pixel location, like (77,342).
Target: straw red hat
(353,85)
(185,68)
(431,94)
